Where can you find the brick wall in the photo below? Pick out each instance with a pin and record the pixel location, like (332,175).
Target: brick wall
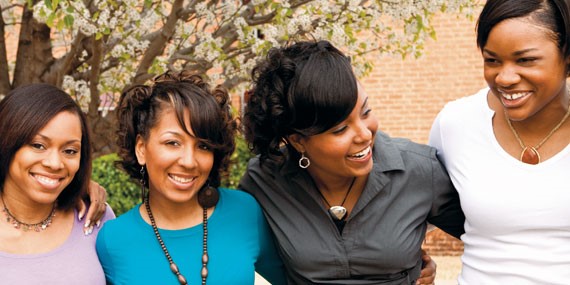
(407,94)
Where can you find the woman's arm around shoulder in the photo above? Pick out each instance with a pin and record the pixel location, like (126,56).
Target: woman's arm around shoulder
(446,211)
(269,263)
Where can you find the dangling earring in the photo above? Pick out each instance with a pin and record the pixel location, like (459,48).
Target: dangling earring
(304,161)
(208,196)
(142,182)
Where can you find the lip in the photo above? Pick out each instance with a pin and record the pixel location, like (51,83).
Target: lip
(182,180)
(365,158)
(513,98)
(48,181)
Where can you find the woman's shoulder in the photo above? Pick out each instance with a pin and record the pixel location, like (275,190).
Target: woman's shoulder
(238,197)
(467,104)
(124,220)
(407,147)
(237,205)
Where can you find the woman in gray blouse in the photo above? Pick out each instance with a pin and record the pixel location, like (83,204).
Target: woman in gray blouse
(347,203)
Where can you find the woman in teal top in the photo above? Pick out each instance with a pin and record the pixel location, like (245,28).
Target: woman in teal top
(176,137)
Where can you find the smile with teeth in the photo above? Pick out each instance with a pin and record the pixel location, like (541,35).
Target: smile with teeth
(514,96)
(45,180)
(181,179)
(361,153)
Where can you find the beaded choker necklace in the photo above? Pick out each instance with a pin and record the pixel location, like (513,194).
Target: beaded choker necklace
(173,267)
(37,227)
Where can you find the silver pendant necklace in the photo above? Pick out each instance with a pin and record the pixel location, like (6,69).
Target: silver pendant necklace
(338,213)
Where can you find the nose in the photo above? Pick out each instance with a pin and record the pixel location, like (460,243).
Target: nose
(53,160)
(187,158)
(507,76)
(363,132)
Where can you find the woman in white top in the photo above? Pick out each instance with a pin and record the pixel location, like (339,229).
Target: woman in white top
(506,147)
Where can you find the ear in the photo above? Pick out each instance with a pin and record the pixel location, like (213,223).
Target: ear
(297,141)
(140,150)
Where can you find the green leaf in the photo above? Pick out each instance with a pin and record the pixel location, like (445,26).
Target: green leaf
(68,19)
(60,25)
(98,35)
(49,4)
(50,20)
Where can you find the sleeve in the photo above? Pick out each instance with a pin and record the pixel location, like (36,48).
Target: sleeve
(269,264)
(253,178)
(104,255)
(435,138)
(446,211)
(109,215)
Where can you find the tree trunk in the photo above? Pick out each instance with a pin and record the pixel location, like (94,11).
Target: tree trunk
(34,50)
(4,75)
(103,129)
(103,134)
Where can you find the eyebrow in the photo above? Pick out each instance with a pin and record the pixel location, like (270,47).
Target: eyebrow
(365,102)
(49,139)
(178,134)
(516,53)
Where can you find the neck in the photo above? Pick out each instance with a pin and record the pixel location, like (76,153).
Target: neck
(174,216)
(333,185)
(546,118)
(26,212)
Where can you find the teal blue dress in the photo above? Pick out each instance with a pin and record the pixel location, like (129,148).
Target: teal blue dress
(239,243)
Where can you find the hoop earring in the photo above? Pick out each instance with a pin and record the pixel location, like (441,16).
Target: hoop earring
(208,196)
(304,161)
(142,181)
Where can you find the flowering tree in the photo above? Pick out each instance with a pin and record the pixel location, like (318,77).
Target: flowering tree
(96,47)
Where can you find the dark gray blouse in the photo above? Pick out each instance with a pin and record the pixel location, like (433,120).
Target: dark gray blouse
(381,241)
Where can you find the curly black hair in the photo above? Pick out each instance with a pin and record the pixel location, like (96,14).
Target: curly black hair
(303,88)
(210,116)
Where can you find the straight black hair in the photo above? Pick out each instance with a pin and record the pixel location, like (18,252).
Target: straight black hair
(23,113)
(553,15)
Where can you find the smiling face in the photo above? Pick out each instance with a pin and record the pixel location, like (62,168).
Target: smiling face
(524,68)
(345,150)
(43,167)
(177,163)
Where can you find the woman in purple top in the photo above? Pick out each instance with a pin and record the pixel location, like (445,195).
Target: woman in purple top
(45,165)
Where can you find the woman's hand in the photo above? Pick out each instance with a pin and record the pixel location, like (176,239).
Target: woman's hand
(427,275)
(98,198)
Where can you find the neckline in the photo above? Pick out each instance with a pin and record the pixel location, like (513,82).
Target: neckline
(490,113)
(69,242)
(196,229)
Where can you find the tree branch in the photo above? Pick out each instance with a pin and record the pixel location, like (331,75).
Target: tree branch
(9,7)
(157,46)
(64,65)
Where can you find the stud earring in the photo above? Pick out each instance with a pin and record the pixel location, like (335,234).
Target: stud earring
(304,161)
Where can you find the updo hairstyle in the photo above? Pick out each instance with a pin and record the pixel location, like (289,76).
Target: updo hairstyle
(141,106)
(304,88)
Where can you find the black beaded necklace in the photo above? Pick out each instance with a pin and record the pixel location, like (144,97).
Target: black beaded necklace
(173,267)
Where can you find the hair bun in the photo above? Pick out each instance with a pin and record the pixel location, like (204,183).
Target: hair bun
(136,96)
